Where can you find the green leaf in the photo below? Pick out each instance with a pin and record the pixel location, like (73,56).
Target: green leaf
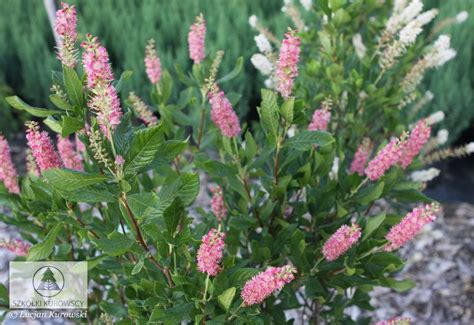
(73,86)
(113,309)
(123,77)
(93,193)
(42,250)
(174,215)
(123,134)
(3,295)
(370,194)
(170,149)
(307,139)
(225,299)
(268,112)
(139,266)
(372,224)
(234,73)
(145,144)
(116,244)
(60,103)
(173,315)
(286,110)
(53,124)
(70,125)
(71,180)
(186,187)
(399,286)
(16,102)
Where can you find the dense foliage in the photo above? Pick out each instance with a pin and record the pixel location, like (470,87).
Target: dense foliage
(294,221)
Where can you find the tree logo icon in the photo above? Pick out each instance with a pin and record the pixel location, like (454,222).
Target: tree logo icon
(48,281)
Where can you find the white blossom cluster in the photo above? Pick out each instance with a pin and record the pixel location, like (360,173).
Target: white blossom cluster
(359,46)
(408,21)
(435,118)
(442,137)
(425,175)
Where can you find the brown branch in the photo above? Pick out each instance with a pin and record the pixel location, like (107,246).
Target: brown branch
(142,242)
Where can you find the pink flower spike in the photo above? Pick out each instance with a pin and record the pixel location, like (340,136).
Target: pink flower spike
(95,60)
(417,139)
(341,241)
(17,246)
(7,170)
(42,148)
(385,158)
(106,104)
(360,158)
(287,68)
(210,252)
(410,226)
(152,63)
(223,115)
(264,284)
(218,204)
(196,40)
(71,159)
(320,121)
(65,28)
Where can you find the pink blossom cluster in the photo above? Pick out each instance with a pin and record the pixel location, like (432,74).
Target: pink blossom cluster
(106,104)
(410,226)
(417,139)
(341,241)
(7,170)
(143,111)
(104,100)
(360,158)
(210,252)
(17,246)
(261,286)
(65,28)
(196,40)
(152,63)
(385,158)
(70,157)
(218,204)
(42,148)
(223,115)
(320,121)
(95,60)
(80,147)
(287,68)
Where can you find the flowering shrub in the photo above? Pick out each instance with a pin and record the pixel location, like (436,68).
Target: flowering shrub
(291,223)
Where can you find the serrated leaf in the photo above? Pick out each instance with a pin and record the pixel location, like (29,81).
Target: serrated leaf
(42,250)
(93,193)
(71,180)
(370,193)
(307,139)
(372,224)
(225,299)
(398,285)
(268,112)
(174,215)
(186,187)
(286,110)
(173,315)
(170,149)
(145,144)
(16,102)
(115,244)
(73,86)
(123,134)
(70,125)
